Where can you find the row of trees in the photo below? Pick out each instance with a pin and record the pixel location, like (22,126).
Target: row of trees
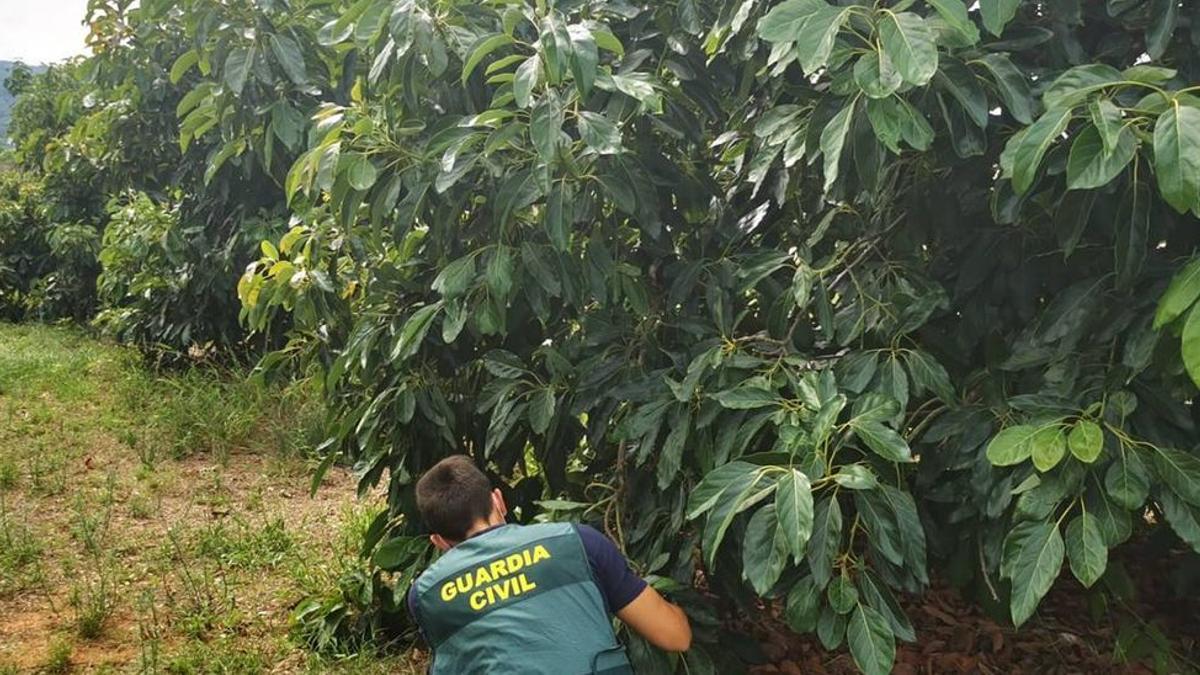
(834,294)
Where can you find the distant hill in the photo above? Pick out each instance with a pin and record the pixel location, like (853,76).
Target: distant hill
(6,98)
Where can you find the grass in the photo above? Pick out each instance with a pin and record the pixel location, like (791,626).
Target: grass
(160,523)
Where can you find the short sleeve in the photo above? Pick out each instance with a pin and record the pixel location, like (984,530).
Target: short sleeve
(618,583)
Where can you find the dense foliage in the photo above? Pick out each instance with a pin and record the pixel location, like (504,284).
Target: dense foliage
(830,293)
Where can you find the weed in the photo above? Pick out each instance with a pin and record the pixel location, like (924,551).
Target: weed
(209,412)
(369,661)
(200,598)
(216,658)
(89,526)
(47,471)
(58,659)
(8,474)
(146,451)
(142,507)
(150,634)
(93,602)
(19,549)
(8,668)
(246,547)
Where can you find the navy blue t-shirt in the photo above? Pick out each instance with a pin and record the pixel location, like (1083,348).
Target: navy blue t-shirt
(618,584)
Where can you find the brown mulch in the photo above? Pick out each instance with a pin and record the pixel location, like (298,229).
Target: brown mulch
(955,635)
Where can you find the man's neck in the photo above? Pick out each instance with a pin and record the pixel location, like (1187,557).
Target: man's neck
(480,526)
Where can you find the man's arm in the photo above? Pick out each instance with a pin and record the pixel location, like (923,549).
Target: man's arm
(625,594)
(663,624)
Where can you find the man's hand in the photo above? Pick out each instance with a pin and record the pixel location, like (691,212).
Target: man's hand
(663,624)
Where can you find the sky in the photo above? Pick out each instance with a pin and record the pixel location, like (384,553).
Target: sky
(41,31)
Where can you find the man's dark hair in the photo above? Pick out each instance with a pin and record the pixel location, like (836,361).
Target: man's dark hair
(452,496)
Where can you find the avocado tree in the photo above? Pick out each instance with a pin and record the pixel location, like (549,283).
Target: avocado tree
(800,300)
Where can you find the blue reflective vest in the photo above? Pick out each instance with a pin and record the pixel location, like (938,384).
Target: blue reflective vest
(518,599)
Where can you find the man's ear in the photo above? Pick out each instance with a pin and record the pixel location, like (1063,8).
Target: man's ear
(440,542)
(498,505)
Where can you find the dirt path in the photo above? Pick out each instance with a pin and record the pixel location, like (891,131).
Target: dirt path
(147,526)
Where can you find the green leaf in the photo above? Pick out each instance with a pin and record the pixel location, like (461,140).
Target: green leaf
(1164,16)
(1180,471)
(1177,156)
(879,524)
(856,477)
(1091,165)
(1114,522)
(372,20)
(671,457)
(1180,295)
(831,628)
(1076,84)
(528,74)
(872,643)
(815,39)
(545,127)
(599,133)
(584,57)
(1086,441)
(499,274)
(1127,481)
(1032,559)
(954,13)
(883,441)
(1149,74)
(785,21)
(877,596)
(763,552)
(541,410)
(483,46)
(794,506)
(728,478)
(1012,85)
(997,14)
(454,320)
(455,278)
(183,64)
(963,86)
(842,594)
(1032,145)
(929,375)
(1012,446)
(856,370)
(361,173)
(398,552)
(558,228)
(875,407)
(1191,344)
(1108,120)
(1049,448)
(413,332)
(802,282)
(833,141)
(910,44)
(746,398)
(290,58)
(609,42)
(730,503)
(1086,550)
(825,542)
(1184,518)
(910,528)
(803,606)
(876,76)
(237,68)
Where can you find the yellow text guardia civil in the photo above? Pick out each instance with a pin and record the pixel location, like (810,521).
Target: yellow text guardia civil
(497,580)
